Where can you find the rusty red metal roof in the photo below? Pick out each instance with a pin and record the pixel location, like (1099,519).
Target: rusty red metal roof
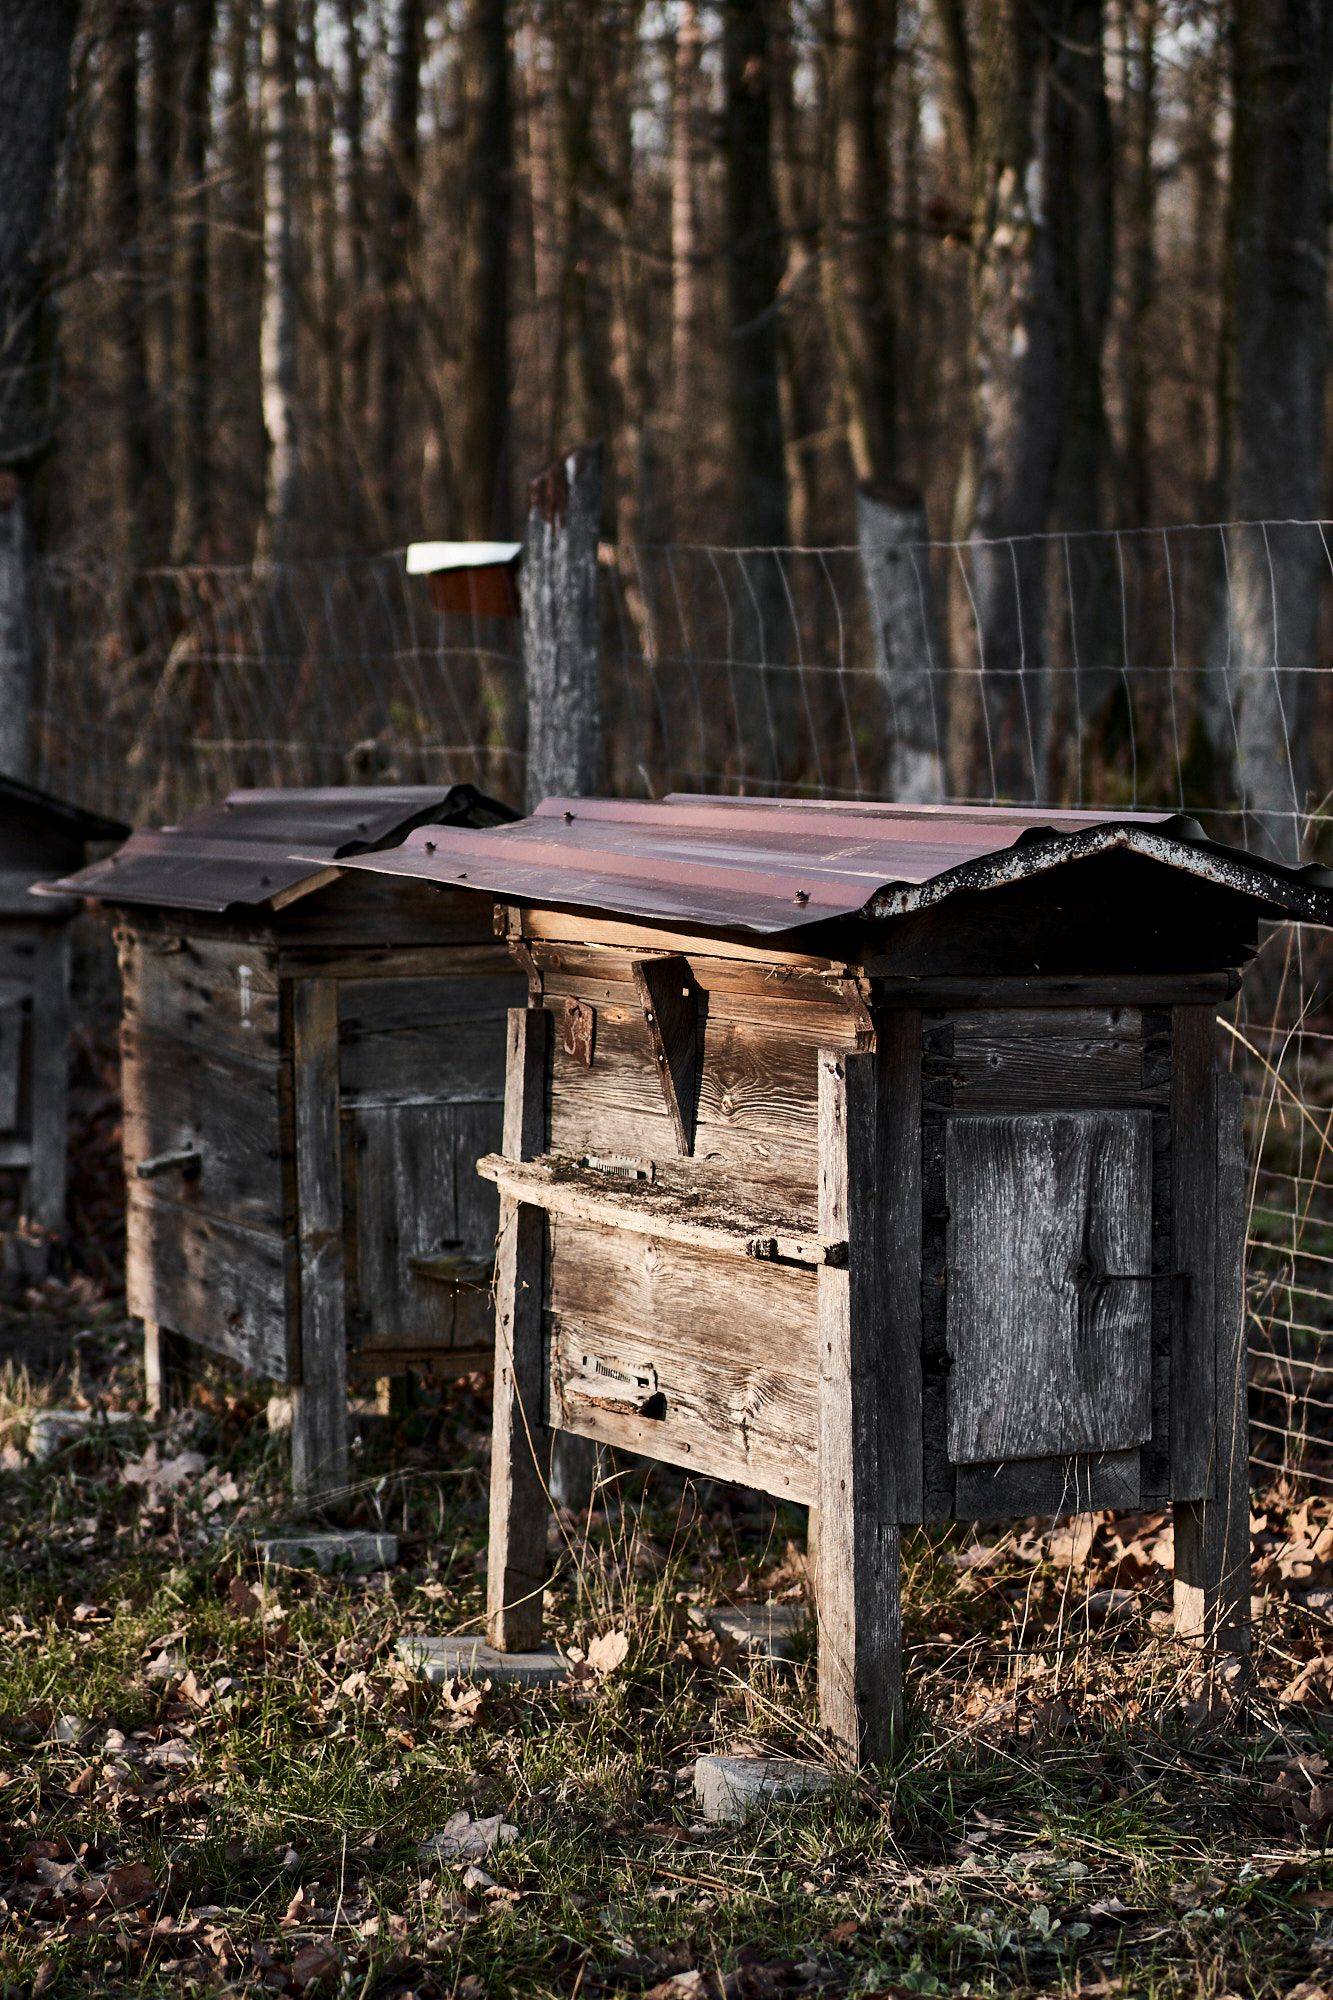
(261,847)
(774,865)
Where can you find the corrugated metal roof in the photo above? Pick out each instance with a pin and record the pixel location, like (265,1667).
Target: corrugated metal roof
(774,865)
(23,805)
(259,847)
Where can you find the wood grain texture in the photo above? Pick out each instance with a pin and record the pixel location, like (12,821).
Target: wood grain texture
(48,1081)
(1049,1316)
(1033,1059)
(216,993)
(423,1041)
(319,1396)
(226,1108)
(14,1013)
(857,1590)
(520,1440)
(1212,1535)
(1194,1144)
(729,1345)
(1047,1486)
(213,1281)
(166,1368)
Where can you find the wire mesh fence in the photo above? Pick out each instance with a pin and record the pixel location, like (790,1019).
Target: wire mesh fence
(1184,668)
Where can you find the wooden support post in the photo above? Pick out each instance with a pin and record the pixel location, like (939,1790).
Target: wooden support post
(520,1445)
(857,1593)
(50,1025)
(165,1366)
(319,1397)
(561,635)
(1212,1584)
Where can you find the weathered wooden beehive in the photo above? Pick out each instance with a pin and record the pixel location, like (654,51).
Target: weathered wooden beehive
(312,1064)
(880,1158)
(39,836)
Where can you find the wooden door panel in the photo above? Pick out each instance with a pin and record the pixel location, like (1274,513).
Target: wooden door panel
(1048,1309)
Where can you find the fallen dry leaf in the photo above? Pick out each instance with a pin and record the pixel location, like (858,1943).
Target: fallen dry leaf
(463,1838)
(608,1652)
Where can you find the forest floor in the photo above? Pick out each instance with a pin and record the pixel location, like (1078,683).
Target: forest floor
(216,1777)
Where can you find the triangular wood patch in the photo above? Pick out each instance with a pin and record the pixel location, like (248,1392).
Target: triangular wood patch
(673,1008)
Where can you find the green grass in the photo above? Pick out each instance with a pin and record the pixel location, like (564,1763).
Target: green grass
(1067,1812)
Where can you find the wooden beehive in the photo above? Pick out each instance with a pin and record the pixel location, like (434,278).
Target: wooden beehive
(312,1063)
(883,1159)
(39,836)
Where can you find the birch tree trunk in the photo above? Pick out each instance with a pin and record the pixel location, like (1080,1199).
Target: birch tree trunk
(35,38)
(1283,69)
(279,330)
(190,430)
(483,409)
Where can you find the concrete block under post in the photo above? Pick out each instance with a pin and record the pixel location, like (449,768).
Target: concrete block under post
(731,1790)
(329,1550)
(761,1631)
(464,1656)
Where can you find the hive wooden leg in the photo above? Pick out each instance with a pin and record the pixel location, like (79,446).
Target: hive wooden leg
(1212,1536)
(319,1401)
(520,1444)
(857,1588)
(47,1174)
(165,1367)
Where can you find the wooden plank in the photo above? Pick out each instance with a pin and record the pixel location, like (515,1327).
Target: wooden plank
(671,1001)
(520,1441)
(1048,1486)
(417,1197)
(48,1083)
(319,1395)
(1212,1535)
(857,1590)
(215,1282)
(392,961)
(579,927)
(1033,1059)
(1194,1146)
(216,993)
(1002,991)
(424,1041)
(730,1348)
(14,1009)
(892,1260)
(166,1368)
(359,908)
(643,1208)
(813,1008)
(226,1109)
(1049,1303)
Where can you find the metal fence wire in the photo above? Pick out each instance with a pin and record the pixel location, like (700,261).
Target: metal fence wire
(1183,668)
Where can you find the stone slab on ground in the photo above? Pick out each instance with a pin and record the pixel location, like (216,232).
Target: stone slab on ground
(732,1789)
(763,1631)
(328,1550)
(51,1430)
(463,1657)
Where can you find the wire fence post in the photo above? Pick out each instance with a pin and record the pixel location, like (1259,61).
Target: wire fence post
(561,633)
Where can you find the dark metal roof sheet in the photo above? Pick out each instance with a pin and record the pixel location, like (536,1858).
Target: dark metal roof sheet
(23,806)
(261,847)
(774,865)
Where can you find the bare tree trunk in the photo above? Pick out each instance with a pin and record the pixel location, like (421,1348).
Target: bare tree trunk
(1141,257)
(1016,404)
(35,38)
(1083,222)
(857,260)
(134,466)
(909,652)
(159,216)
(279,356)
(483,412)
(801,364)
(688,159)
(397,240)
(191,484)
(1283,70)
(538,88)
(578,411)
(355,211)
(766,691)
(561,631)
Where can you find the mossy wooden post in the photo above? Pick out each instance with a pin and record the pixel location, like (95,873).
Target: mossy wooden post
(520,1449)
(1212,1535)
(562,656)
(319,1398)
